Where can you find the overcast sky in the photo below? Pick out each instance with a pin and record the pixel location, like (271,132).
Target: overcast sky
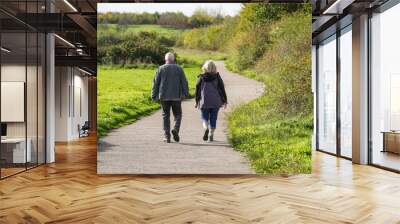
(186,8)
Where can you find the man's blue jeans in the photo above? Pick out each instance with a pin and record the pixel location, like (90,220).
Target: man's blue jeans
(210,116)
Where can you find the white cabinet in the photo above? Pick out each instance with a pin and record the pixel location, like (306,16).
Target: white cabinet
(17,147)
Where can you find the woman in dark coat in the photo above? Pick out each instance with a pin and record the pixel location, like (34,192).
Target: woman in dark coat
(210,97)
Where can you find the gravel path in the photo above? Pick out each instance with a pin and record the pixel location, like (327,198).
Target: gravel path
(138,148)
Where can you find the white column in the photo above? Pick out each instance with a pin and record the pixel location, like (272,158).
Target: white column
(50,94)
(360,90)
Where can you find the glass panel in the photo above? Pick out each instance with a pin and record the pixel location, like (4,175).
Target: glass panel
(41,99)
(31,98)
(22,88)
(32,87)
(385,90)
(2,161)
(346,92)
(13,79)
(327,95)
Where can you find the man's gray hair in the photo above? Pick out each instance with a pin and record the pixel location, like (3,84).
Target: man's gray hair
(169,57)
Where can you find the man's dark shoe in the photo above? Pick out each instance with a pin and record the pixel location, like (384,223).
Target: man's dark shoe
(167,139)
(175,135)
(205,136)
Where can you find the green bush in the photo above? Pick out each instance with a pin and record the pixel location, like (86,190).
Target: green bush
(260,14)
(248,46)
(143,47)
(209,38)
(213,37)
(285,67)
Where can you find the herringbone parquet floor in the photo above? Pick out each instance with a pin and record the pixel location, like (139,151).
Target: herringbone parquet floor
(70,191)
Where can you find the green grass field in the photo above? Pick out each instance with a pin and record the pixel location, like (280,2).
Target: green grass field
(124,95)
(198,57)
(121,30)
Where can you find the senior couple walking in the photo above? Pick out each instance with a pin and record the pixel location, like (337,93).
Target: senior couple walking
(170,87)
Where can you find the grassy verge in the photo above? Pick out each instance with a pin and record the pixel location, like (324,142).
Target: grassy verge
(275,130)
(274,144)
(124,95)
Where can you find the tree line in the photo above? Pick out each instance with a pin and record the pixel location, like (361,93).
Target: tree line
(200,18)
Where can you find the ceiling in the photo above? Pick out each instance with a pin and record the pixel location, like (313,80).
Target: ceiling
(202,1)
(331,15)
(74,22)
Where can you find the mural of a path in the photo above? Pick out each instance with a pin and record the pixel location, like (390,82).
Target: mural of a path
(138,148)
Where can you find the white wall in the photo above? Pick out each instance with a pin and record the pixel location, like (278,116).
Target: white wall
(71,87)
(33,126)
(62,82)
(12,73)
(80,110)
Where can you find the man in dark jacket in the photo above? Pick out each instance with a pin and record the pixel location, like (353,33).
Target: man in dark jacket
(170,87)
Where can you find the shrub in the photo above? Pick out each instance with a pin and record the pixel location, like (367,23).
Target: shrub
(260,14)
(213,37)
(143,47)
(285,68)
(248,46)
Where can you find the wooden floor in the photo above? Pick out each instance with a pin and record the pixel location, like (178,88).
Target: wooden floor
(70,191)
(5,172)
(387,159)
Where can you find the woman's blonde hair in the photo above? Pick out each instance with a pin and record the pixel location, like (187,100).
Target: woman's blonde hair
(209,67)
